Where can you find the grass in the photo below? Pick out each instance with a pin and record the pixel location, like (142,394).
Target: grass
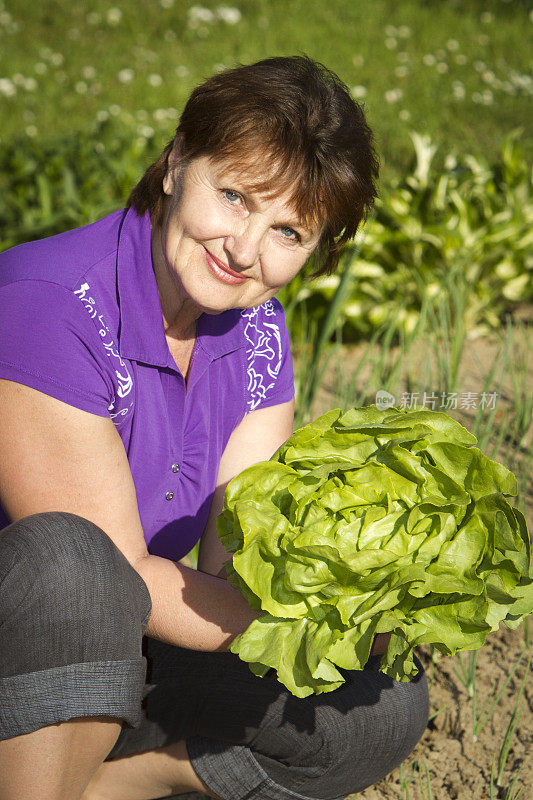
(64,65)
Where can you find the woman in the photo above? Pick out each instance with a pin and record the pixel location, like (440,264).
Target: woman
(144,362)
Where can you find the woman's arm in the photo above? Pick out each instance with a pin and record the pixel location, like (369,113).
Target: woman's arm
(55,457)
(255,439)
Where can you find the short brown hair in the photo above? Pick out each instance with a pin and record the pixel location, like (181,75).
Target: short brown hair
(281,117)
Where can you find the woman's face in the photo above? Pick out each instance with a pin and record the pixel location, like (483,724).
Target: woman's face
(224,247)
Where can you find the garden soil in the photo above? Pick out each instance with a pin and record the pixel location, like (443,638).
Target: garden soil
(458,767)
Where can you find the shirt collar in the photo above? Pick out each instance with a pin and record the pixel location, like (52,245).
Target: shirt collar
(142,333)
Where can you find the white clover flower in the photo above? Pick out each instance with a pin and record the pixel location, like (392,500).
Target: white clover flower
(31,130)
(461,59)
(480,66)
(477,97)
(166,3)
(440,54)
(170,36)
(452,45)
(405,115)
(358,92)
(231,16)
(73,34)
(181,71)
(99,147)
(30,84)
(219,67)
(146,131)
(7,87)
(102,115)
(488,76)
(442,67)
(403,56)
(486,17)
(27,115)
(404,31)
(57,59)
(508,87)
(81,87)
(391,44)
(429,60)
(89,73)
(113,16)
(390,30)
(93,18)
(198,14)
(160,114)
(141,115)
(483,39)
(18,79)
(488,97)
(126,75)
(61,76)
(393,95)
(40,68)
(45,52)
(459,91)
(155,80)
(114,109)
(5,18)
(401,72)
(358,60)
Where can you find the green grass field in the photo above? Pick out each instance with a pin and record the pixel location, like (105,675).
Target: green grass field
(459,71)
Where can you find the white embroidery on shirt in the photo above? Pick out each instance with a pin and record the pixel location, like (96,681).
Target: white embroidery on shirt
(263,341)
(125,381)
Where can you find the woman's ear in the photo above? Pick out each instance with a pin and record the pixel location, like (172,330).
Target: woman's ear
(173,165)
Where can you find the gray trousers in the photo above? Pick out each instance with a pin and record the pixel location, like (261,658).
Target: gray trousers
(72,618)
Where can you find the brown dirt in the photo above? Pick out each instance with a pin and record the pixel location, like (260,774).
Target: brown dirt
(459,768)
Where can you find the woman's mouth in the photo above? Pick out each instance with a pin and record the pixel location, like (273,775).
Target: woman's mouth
(222,272)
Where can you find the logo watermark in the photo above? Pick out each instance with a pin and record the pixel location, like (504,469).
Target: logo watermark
(441,401)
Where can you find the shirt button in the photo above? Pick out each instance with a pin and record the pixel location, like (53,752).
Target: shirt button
(175,467)
(169,495)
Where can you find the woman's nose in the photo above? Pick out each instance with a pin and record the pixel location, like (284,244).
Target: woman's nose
(243,246)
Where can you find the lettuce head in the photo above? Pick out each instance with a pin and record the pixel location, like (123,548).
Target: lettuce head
(373,522)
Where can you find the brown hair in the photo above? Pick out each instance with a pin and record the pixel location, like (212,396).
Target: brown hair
(293,122)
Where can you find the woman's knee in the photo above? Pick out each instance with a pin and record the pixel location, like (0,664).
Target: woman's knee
(62,576)
(353,736)
(373,726)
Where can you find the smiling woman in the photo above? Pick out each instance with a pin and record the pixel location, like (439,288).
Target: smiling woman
(144,363)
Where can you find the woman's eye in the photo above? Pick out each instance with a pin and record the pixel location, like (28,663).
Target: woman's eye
(289,233)
(232,196)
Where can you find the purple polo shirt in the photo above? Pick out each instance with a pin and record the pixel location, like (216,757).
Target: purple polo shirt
(81,320)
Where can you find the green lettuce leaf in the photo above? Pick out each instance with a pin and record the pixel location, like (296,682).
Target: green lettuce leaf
(373,522)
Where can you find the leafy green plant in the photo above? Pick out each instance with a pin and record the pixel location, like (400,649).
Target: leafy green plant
(373,522)
(462,234)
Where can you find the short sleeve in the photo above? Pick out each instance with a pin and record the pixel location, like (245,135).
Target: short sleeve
(49,343)
(269,368)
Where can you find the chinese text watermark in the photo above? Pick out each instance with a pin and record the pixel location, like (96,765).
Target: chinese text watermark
(437,401)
